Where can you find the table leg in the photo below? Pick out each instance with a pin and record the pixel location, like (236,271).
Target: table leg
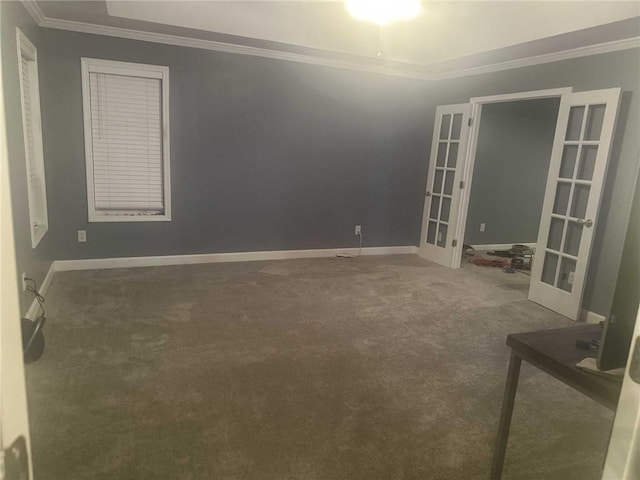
(505,416)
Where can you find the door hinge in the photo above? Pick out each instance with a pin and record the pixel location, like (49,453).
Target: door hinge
(454,243)
(470,122)
(461,183)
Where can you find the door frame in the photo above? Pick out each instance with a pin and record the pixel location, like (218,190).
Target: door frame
(472,144)
(14,418)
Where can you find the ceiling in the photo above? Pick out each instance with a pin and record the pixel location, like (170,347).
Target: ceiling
(446,35)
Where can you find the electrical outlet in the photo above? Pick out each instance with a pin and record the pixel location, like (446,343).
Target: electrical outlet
(358,230)
(82,235)
(24,282)
(482,225)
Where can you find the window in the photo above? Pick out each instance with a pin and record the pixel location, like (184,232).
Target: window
(32,132)
(126,134)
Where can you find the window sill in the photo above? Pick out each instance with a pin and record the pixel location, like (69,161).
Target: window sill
(102,218)
(37,234)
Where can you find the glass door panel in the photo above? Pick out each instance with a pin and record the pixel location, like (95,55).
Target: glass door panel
(595,117)
(576,174)
(444,127)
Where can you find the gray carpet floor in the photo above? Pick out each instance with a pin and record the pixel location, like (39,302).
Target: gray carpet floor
(320,369)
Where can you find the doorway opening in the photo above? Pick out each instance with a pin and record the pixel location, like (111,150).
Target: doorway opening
(479,105)
(510,170)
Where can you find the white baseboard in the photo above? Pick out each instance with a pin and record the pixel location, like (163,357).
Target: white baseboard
(34,309)
(129,262)
(591,317)
(501,246)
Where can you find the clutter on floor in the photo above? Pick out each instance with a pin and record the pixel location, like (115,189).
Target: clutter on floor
(517,258)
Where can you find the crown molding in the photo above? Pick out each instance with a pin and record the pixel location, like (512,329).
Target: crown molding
(176,40)
(412,71)
(608,47)
(34,10)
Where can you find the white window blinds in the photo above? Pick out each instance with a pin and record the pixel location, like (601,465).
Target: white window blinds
(30,149)
(126,125)
(126,133)
(32,132)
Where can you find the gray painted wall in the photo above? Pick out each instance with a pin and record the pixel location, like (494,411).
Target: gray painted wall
(265,154)
(510,171)
(34,262)
(268,154)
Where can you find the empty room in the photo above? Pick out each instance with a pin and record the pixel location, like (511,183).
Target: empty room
(320,240)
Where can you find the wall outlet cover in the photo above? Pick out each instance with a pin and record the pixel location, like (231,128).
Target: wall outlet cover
(358,229)
(482,226)
(82,235)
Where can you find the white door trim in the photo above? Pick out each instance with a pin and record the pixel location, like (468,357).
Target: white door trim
(529,95)
(476,114)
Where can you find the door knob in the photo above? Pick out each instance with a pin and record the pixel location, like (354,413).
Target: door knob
(587,223)
(428,194)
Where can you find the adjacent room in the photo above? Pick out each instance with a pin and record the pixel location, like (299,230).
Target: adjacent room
(261,240)
(510,176)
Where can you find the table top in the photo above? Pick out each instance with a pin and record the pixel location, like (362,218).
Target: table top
(555,352)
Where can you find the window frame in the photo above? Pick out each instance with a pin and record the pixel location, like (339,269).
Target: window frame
(28,49)
(95,65)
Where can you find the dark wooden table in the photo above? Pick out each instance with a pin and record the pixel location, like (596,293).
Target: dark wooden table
(555,352)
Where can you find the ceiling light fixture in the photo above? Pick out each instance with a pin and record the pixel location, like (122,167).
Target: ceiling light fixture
(383,11)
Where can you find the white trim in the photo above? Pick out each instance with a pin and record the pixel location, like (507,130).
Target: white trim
(592,318)
(130,262)
(597,49)
(180,41)
(28,49)
(470,158)
(114,67)
(89,65)
(83,27)
(34,10)
(502,246)
(529,95)
(34,309)
(156,261)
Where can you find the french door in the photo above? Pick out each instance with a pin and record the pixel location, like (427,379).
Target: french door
(578,166)
(442,197)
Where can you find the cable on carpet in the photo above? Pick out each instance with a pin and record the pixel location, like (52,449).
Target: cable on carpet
(32,335)
(349,255)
